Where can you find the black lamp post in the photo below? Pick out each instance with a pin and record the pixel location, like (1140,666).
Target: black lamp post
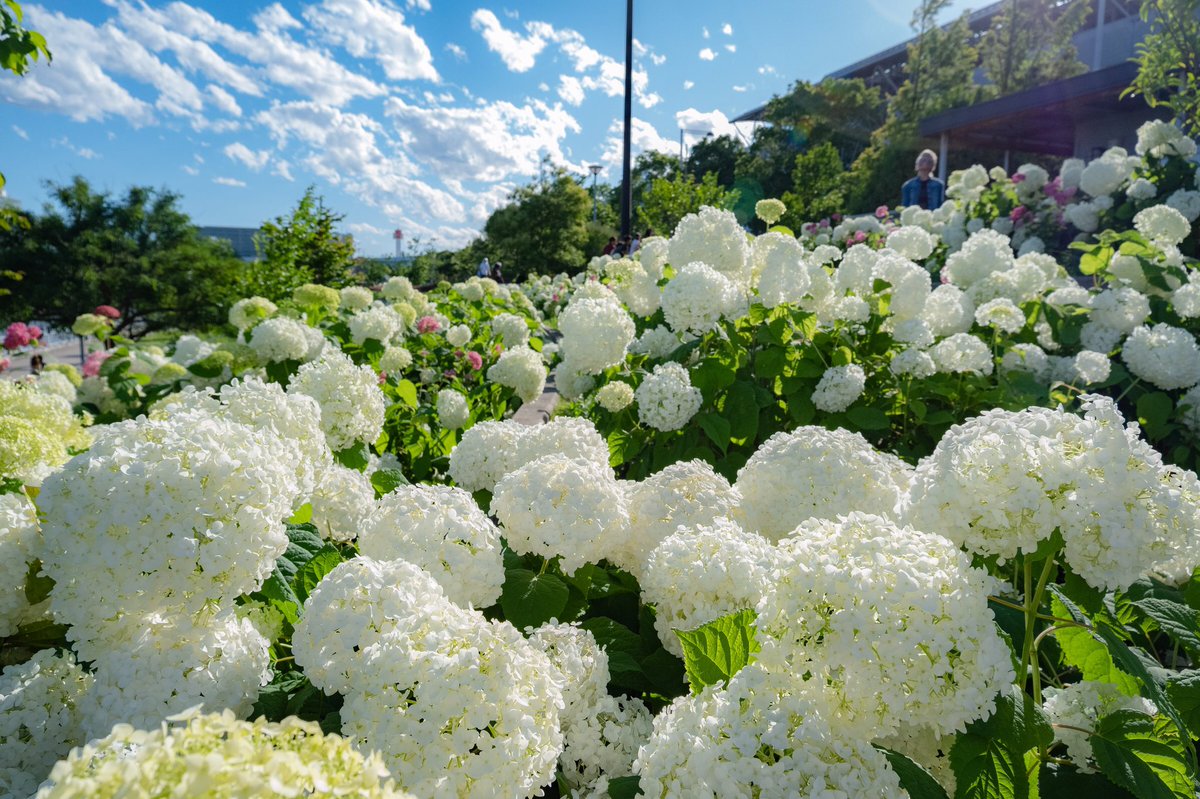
(626,183)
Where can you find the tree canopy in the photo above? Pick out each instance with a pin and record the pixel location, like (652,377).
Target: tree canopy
(138,253)
(301,247)
(544,227)
(1169,60)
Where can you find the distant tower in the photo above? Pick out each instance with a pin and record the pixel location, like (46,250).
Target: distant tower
(398,235)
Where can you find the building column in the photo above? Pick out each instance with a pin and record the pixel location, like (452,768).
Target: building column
(943,150)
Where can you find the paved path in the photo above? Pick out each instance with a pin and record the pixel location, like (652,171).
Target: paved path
(541,409)
(64,352)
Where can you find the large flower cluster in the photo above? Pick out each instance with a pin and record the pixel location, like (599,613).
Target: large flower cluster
(666,399)
(38,433)
(352,406)
(596,334)
(19,543)
(283,339)
(712,237)
(522,370)
(457,705)
(698,297)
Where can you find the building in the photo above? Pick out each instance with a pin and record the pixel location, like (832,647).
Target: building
(240,238)
(1080,116)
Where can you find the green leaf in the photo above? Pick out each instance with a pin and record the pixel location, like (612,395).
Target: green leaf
(842,356)
(866,418)
(303,514)
(37,586)
(385,481)
(1184,690)
(1177,620)
(407,392)
(311,573)
(988,758)
(529,599)
(716,651)
(1154,410)
(913,777)
(304,541)
(712,375)
(716,428)
(1142,754)
(741,409)
(612,636)
(770,363)
(353,457)
(1089,654)
(1058,780)
(1092,262)
(624,787)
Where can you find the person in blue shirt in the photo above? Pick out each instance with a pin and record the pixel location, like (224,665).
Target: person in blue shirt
(924,190)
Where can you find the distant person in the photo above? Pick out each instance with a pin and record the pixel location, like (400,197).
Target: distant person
(623,247)
(485,269)
(924,191)
(649,234)
(633,245)
(36,364)
(612,245)
(498,272)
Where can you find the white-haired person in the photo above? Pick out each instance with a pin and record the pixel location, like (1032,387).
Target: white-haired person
(924,190)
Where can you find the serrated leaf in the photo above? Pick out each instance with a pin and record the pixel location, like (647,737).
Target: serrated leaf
(1089,654)
(624,787)
(407,392)
(385,481)
(1142,754)
(913,777)
(716,651)
(304,541)
(1184,690)
(741,409)
(865,418)
(303,514)
(354,457)
(37,585)
(716,427)
(1059,780)
(988,758)
(1177,620)
(312,572)
(529,599)
(611,635)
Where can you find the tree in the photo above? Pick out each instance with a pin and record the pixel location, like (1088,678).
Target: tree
(669,201)
(649,166)
(18,48)
(1030,43)
(1168,60)
(139,254)
(544,227)
(817,186)
(716,154)
(301,247)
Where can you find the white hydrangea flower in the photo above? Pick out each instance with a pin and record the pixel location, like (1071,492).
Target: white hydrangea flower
(249,311)
(657,342)
(984,253)
(376,322)
(666,399)
(913,362)
(1092,367)
(522,370)
(1002,314)
(596,334)
(20,543)
(220,756)
(1069,295)
(583,663)
(556,506)
(1159,138)
(715,238)
(912,242)
(1162,224)
(1105,175)
(1027,358)
(893,622)
(342,501)
(513,330)
(352,406)
(1083,215)
(703,572)
(458,336)
(948,310)
(615,396)
(1189,409)
(635,287)
(687,494)
(395,360)
(813,472)
(355,298)
(783,282)
(962,352)
(570,382)
(486,452)
(1165,356)
(1078,707)
(1141,189)
(443,531)
(698,297)
(775,253)
(604,744)
(839,387)
(1099,337)
(398,288)
(770,210)
(1186,202)
(281,339)
(39,718)
(908,285)
(762,736)
(57,383)
(653,255)
(453,411)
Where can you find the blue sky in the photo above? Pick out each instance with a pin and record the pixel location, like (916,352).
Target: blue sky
(417,114)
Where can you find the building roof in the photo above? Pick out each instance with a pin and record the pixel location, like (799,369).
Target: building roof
(1038,120)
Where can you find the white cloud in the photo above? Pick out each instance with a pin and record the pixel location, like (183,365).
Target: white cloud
(707,54)
(276,18)
(688,84)
(658,60)
(223,100)
(252,159)
(191,170)
(519,53)
(456,51)
(369,29)
(420,5)
(704,32)
(283,169)
(703,122)
(570,89)
(20,131)
(366,227)
(727,29)
(767,69)
(229,182)
(731,48)
(744,88)
(642,137)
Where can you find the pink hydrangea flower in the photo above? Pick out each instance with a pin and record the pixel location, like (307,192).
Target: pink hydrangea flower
(427,324)
(4,364)
(1018,214)
(382,378)
(881,212)
(35,332)
(1018,178)
(860,236)
(107,310)
(475,359)
(91,365)
(17,336)
(450,373)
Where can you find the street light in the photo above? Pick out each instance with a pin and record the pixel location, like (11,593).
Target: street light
(595,171)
